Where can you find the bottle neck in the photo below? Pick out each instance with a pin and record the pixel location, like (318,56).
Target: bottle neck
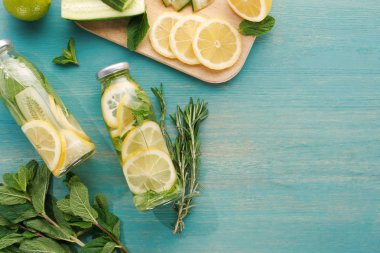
(107,81)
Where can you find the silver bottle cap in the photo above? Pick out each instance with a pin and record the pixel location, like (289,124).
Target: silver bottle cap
(112,69)
(5,43)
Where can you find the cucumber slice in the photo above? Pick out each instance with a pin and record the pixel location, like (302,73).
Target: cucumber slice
(167,2)
(33,106)
(200,4)
(180,4)
(119,5)
(97,10)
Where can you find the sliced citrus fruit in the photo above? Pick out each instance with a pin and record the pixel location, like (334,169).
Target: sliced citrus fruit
(149,170)
(111,99)
(252,10)
(125,117)
(146,136)
(217,44)
(76,148)
(160,31)
(46,140)
(182,36)
(67,122)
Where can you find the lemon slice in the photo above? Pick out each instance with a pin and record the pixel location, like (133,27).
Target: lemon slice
(76,148)
(111,99)
(217,44)
(182,36)
(67,122)
(146,136)
(160,31)
(125,117)
(149,170)
(252,10)
(46,140)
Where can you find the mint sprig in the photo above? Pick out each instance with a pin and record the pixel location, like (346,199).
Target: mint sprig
(257,28)
(68,55)
(137,29)
(32,220)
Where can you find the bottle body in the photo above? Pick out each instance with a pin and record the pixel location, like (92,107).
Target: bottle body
(41,114)
(138,141)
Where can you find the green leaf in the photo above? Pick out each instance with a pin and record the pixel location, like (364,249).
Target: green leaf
(4,222)
(257,29)
(11,249)
(80,204)
(10,181)
(18,213)
(68,55)
(40,187)
(106,219)
(109,247)
(64,206)
(41,244)
(53,211)
(46,228)
(80,224)
(95,246)
(9,196)
(10,239)
(138,26)
(70,179)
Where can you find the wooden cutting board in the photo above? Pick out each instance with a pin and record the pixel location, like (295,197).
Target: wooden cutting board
(115,31)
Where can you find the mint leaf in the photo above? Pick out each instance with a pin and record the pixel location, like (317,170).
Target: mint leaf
(106,219)
(40,187)
(4,222)
(12,197)
(10,239)
(64,206)
(109,247)
(68,55)
(96,245)
(47,229)
(52,210)
(17,213)
(138,26)
(80,204)
(41,244)
(10,181)
(257,29)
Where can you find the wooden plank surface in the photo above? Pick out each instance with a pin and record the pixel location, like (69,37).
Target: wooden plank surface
(290,150)
(115,31)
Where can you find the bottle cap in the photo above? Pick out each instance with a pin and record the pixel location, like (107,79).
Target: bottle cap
(112,69)
(5,43)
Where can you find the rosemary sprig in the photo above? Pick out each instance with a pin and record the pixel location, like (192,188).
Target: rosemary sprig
(187,156)
(185,151)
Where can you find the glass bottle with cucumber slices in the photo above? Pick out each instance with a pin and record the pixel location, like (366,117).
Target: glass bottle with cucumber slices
(137,139)
(43,117)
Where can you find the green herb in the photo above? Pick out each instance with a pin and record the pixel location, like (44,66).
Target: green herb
(31,220)
(187,156)
(185,151)
(68,55)
(159,94)
(257,29)
(144,109)
(138,27)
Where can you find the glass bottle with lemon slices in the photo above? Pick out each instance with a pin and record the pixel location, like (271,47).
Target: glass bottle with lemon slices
(43,117)
(137,139)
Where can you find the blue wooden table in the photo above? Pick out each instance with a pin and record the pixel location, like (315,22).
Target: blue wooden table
(291,150)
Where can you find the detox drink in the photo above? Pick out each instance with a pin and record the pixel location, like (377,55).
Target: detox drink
(137,139)
(43,117)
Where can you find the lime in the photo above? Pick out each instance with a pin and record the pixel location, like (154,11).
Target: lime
(27,10)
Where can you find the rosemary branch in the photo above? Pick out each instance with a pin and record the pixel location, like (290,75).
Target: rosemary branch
(187,156)
(185,151)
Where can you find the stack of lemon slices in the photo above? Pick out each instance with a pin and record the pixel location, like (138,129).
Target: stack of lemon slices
(143,152)
(55,134)
(193,40)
